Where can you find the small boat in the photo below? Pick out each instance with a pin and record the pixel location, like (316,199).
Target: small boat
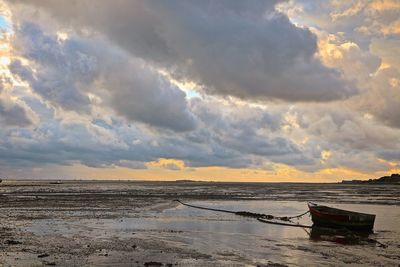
(337,218)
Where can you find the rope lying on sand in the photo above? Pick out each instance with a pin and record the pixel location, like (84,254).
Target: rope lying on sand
(265,218)
(285,224)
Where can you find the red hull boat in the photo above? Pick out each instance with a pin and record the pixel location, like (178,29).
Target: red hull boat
(337,218)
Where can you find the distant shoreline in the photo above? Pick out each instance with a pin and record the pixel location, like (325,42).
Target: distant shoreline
(389,180)
(9,182)
(67,180)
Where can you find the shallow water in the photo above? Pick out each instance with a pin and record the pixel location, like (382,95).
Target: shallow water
(246,240)
(120,190)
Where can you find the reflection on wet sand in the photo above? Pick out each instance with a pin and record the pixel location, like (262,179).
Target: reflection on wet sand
(342,236)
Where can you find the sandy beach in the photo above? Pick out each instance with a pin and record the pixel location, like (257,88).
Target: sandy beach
(87,223)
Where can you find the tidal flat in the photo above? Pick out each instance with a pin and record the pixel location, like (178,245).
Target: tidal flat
(135,223)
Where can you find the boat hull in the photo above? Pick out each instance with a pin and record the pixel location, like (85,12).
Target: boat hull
(336,218)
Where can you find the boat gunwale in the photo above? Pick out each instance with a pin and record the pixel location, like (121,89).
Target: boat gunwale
(348,219)
(337,212)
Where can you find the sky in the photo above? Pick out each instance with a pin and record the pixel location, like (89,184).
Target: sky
(266,91)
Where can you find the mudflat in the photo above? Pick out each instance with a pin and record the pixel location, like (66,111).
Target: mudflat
(122,223)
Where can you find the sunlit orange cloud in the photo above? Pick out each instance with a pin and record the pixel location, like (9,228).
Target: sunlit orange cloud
(167,164)
(350,11)
(393,28)
(5,52)
(383,5)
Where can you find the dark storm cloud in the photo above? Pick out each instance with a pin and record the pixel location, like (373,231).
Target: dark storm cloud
(230,48)
(55,142)
(140,94)
(60,69)
(65,72)
(12,114)
(390,155)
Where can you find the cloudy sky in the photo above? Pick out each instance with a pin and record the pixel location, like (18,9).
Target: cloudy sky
(209,90)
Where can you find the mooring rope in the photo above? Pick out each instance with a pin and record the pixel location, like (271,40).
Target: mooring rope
(266,218)
(285,224)
(300,215)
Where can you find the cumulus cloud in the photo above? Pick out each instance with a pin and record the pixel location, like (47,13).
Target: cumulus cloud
(56,71)
(383,99)
(64,72)
(13,114)
(98,75)
(13,111)
(356,63)
(169,164)
(131,164)
(141,94)
(386,49)
(228,135)
(213,143)
(376,70)
(234,131)
(352,141)
(249,51)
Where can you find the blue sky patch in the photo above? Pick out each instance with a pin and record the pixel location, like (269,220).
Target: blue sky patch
(4,24)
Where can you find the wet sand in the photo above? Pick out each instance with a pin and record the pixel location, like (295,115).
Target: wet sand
(86,223)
